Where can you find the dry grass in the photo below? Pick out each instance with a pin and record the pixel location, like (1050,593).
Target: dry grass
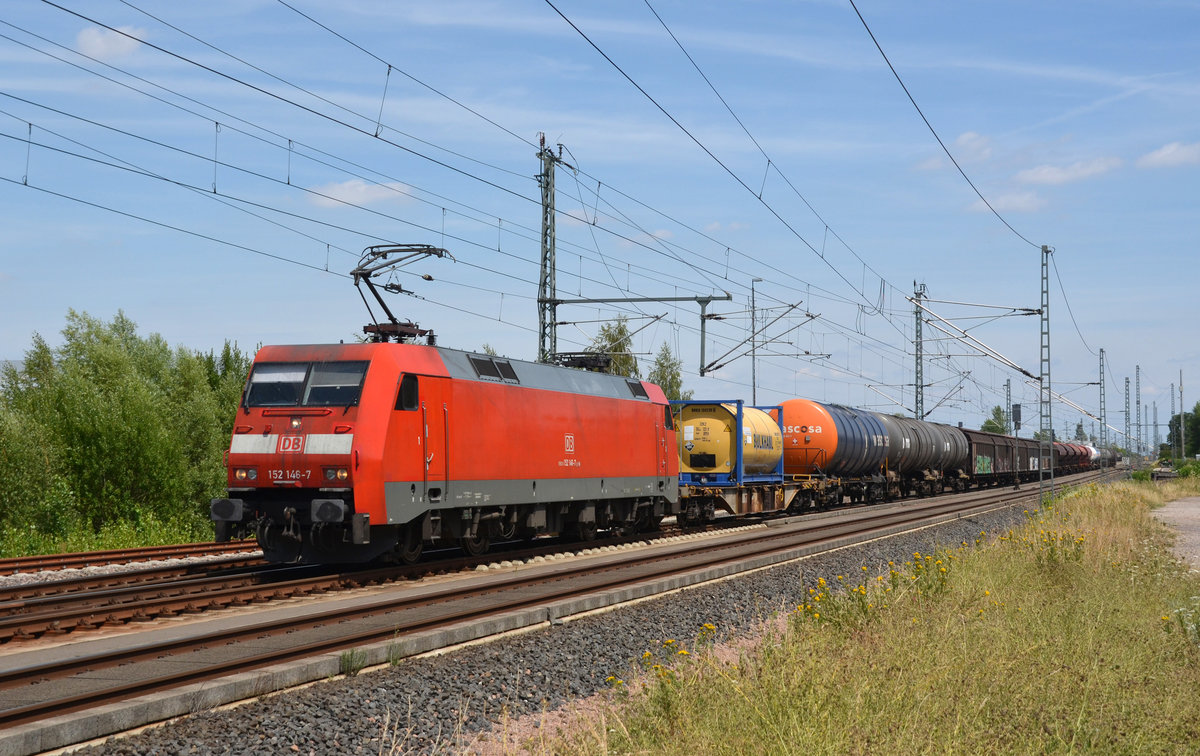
(1078,632)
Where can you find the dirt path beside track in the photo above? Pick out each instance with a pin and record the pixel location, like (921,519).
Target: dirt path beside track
(1183,515)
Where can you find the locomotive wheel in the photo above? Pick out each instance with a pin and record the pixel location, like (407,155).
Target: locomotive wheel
(507,531)
(582,531)
(411,545)
(475,545)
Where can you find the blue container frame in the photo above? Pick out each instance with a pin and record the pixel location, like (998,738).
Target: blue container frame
(738,476)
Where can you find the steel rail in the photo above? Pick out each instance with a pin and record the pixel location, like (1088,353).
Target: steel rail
(143,576)
(120,556)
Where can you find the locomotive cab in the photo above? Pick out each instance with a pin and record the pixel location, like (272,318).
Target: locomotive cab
(291,461)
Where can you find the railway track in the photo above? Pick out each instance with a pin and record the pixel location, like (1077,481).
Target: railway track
(38,686)
(40,563)
(110,600)
(91,602)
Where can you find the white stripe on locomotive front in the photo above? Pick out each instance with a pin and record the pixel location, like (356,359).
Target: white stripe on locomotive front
(314,443)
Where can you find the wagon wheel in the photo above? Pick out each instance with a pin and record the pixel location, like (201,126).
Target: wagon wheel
(475,545)
(411,544)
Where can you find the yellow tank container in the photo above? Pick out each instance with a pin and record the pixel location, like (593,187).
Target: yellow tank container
(706,436)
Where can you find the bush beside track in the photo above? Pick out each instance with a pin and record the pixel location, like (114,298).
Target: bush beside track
(1077,631)
(112,440)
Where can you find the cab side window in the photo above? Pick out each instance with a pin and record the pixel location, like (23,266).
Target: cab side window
(407,396)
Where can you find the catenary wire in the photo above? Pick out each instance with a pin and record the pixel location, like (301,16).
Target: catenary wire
(933,130)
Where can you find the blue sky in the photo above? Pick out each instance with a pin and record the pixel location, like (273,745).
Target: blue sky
(1080,124)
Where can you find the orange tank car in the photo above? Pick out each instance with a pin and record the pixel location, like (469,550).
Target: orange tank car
(810,437)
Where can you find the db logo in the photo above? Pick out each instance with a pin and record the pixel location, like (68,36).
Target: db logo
(293,444)
(569,443)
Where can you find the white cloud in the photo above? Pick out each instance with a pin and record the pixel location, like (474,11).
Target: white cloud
(106,45)
(358,192)
(648,239)
(969,147)
(1057,174)
(577,217)
(716,226)
(934,163)
(972,147)
(1175,153)
(1020,202)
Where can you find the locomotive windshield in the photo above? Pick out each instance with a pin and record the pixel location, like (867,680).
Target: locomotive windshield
(302,384)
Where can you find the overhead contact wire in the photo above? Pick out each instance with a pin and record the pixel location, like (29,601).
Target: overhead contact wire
(933,131)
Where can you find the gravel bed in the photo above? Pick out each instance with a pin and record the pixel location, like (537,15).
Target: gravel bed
(437,703)
(37,577)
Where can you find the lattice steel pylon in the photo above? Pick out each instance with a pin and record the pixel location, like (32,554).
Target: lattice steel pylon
(1008,405)
(1127,418)
(1137,406)
(919,381)
(1046,445)
(1103,410)
(547,288)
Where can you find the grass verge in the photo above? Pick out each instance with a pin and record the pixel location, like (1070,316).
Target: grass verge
(122,534)
(1078,632)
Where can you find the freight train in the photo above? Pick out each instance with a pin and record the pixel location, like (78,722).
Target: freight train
(359,452)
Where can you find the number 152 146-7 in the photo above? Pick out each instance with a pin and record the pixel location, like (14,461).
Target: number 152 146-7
(289,474)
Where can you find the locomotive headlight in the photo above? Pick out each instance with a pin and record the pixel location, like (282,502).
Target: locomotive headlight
(336,473)
(244,473)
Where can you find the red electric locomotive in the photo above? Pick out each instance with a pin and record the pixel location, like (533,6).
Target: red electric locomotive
(352,452)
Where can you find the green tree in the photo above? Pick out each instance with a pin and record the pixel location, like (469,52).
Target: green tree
(35,497)
(1191,432)
(615,341)
(1080,433)
(115,428)
(667,372)
(997,423)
